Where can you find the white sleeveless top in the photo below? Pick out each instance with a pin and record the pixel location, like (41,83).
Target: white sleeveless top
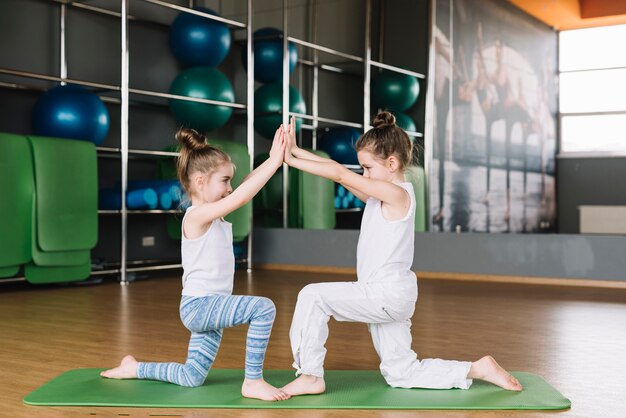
(208,261)
(385,248)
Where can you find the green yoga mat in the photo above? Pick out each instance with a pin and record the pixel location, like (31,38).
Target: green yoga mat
(39,275)
(354,389)
(16,189)
(415,175)
(317,199)
(66,181)
(9,271)
(55,258)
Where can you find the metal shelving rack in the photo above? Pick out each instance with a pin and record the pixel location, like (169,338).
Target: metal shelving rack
(121,94)
(367,62)
(126,90)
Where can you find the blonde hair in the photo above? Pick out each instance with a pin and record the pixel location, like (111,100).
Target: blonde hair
(196,156)
(386,139)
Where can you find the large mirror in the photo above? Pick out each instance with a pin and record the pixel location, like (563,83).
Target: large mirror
(494,133)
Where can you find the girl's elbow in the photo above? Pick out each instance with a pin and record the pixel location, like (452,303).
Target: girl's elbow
(243,201)
(237,200)
(339,174)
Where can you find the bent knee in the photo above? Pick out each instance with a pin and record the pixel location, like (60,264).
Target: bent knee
(396,378)
(192,384)
(192,380)
(266,307)
(312,290)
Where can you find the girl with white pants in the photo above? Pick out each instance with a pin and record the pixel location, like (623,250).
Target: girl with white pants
(390,329)
(385,294)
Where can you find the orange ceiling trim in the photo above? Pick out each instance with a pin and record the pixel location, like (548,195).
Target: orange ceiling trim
(601,8)
(568,14)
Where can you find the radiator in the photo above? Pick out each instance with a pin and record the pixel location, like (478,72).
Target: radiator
(602,219)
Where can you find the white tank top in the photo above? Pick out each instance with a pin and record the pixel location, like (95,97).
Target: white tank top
(385,249)
(208,261)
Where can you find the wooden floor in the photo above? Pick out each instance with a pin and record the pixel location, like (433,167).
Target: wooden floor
(574,337)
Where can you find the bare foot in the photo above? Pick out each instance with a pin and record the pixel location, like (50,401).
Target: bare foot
(126,370)
(305,385)
(260,389)
(488,370)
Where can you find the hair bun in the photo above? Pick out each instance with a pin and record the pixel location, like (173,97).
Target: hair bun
(384,119)
(191,139)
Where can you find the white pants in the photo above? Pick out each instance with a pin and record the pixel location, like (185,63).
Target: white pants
(388,316)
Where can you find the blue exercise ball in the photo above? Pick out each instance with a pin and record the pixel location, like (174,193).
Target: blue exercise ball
(198,41)
(73,112)
(268,55)
(395,91)
(340,144)
(202,83)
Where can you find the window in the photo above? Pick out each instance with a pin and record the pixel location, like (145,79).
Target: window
(592,90)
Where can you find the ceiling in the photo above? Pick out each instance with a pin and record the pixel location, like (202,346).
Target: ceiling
(575,14)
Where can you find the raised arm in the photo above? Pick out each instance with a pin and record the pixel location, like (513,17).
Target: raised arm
(360,186)
(256,170)
(208,212)
(304,154)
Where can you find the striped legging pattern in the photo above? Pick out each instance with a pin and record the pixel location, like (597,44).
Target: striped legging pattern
(206,317)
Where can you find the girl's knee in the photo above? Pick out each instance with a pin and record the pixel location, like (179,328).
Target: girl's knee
(266,307)
(193,380)
(310,290)
(192,383)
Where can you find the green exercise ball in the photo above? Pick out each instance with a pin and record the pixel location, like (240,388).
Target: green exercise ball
(395,91)
(268,100)
(405,122)
(203,83)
